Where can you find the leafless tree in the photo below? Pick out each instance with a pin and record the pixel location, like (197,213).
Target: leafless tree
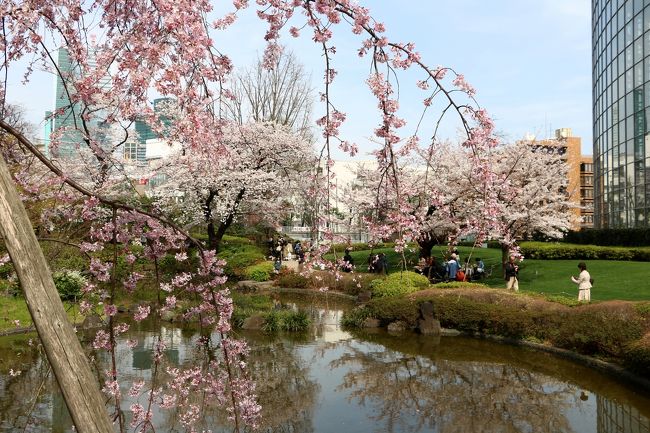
(282,95)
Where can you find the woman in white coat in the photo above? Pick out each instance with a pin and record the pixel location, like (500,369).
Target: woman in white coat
(584,283)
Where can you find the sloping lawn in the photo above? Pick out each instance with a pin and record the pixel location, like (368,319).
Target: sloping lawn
(628,281)
(621,280)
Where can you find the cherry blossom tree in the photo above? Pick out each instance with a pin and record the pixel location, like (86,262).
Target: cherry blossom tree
(121,55)
(447,200)
(251,170)
(533,191)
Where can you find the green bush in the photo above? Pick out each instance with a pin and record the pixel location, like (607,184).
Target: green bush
(622,237)
(259,272)
(399,283)
(10,287)
(69,284)
(295,321)
(563,251)
(354,318)
(286,320)
(390,309)
(6,269)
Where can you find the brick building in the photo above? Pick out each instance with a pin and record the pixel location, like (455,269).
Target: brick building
(580,187)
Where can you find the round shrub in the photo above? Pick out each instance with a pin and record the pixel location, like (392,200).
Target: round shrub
(259,272)
(286,320)
(69,284)
(399,283)
(354,318)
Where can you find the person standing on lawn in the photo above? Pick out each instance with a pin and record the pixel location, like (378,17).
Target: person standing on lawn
(512,271)
(584,283)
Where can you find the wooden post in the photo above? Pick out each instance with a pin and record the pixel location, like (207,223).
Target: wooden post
(64,352)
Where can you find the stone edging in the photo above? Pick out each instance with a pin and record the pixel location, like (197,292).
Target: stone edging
(16,331)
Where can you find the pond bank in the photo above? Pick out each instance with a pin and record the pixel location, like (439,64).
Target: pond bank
(613,333)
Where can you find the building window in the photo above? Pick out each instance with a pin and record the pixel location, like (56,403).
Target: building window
(130,151)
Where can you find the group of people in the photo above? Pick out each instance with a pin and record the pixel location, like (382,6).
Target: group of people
(452,269)
(449,270)
(283,249)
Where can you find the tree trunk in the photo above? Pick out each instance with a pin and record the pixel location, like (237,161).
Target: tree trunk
(68,360)
(425,247)
(213,240)
(505,250)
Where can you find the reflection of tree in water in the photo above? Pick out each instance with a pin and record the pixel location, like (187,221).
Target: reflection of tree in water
(284,389)
(414,393)
(26,400)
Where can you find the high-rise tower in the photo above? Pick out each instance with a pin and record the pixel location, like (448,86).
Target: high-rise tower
(621,98)
(66,119)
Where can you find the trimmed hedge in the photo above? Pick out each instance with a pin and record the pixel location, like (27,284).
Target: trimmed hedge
(399,283)
(562,251)
(615,330)
(239,254)
(609,237)
(361,246)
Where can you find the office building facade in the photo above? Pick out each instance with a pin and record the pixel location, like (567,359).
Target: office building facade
(65,120)
(580,190)
(621,111)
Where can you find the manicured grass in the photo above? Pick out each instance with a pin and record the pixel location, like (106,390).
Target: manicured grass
(612,279)
(15,308)
(623,280)
(395,261)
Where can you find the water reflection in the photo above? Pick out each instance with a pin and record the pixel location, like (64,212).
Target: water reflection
(329,381)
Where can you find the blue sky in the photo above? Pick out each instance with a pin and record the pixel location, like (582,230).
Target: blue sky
(530,61)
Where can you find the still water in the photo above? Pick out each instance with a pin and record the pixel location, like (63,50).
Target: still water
(329,380)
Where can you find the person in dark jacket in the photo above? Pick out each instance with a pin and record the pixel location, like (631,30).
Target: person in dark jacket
(349,261)
(512,272)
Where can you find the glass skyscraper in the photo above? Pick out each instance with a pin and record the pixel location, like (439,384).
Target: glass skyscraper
(621,96)
(66,119)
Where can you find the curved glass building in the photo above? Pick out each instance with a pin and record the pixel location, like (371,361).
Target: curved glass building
(621,95)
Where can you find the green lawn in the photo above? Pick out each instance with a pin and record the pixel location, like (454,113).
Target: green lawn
(612,279)
(15,308)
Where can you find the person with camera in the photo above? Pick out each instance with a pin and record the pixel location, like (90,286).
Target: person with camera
(584,283)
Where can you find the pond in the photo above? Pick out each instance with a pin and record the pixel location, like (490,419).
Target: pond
(328,380)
